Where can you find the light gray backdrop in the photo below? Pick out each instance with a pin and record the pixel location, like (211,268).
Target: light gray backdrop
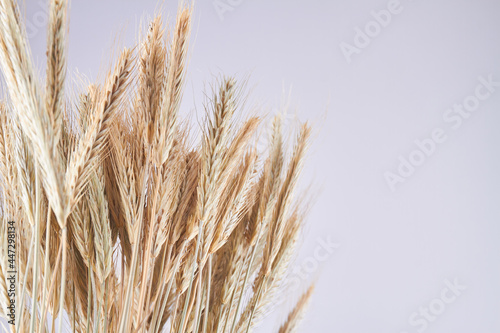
(404,96)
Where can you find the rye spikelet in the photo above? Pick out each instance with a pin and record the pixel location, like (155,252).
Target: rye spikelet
(122,222)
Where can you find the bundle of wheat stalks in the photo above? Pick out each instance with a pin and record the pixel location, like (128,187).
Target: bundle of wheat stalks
(112,221)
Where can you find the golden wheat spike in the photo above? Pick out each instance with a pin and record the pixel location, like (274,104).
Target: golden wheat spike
(123,222)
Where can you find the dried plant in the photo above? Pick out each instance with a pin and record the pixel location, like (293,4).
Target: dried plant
(120,223)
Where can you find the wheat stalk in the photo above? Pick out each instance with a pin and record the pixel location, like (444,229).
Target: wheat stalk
(124,223)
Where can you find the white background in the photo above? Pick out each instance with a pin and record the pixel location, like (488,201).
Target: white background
(396,248)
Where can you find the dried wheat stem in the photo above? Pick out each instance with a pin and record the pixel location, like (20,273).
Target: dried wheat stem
(154,231)
(290,325)
(46,270)
(245,281)
(49,293)
(24,284)
(207,304)
(64,242)
(36,264)
(199,301)
(188,294)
